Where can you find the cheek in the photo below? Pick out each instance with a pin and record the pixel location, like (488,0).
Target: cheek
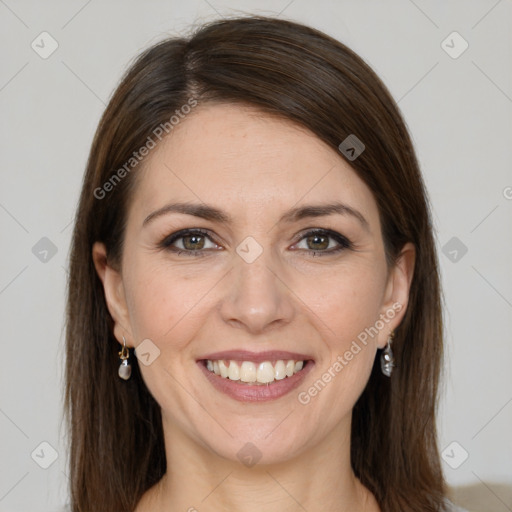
(163,300)
(346,306)
(346,300)
(343,300)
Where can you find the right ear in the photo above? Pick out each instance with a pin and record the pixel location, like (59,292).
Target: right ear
(114,293)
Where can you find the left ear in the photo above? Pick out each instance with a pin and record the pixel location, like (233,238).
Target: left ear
(396,296)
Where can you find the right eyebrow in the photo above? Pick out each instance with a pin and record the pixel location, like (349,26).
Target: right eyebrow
(198,210)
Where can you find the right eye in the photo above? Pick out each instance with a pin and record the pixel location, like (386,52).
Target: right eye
(189,241)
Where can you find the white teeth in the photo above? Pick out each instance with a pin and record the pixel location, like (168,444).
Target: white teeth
(280,370)
(265,372)
(249,372)
(234,371)
(224,370)
(290,367)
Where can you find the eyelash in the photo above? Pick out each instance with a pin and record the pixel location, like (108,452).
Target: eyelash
(344,243)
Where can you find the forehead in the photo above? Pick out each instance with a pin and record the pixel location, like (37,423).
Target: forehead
(242,159)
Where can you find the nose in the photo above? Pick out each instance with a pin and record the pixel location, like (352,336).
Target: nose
(256,297)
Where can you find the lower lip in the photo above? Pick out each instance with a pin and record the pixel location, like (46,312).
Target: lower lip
(256,393)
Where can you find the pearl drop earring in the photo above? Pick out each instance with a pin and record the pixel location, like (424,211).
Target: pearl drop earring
(387,360)
(125,368)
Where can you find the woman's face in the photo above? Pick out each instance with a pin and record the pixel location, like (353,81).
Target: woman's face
(284,262)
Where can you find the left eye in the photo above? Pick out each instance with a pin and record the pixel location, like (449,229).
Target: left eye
(323,241)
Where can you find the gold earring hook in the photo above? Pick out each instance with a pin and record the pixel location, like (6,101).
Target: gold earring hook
(124,353)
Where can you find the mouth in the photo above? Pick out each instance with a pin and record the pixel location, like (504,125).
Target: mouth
(252,373)
(247,376)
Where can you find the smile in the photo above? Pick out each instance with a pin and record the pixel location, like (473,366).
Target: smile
(255,373)
(249,377)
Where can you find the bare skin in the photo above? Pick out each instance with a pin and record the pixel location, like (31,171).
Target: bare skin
(297,295)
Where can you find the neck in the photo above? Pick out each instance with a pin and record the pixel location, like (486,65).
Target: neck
(319,480)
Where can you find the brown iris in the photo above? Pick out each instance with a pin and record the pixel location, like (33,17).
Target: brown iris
(193,242)
(321,241)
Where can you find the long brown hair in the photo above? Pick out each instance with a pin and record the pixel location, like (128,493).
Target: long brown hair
(298,73)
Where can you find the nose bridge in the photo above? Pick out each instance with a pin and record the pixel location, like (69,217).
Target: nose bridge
(255,297)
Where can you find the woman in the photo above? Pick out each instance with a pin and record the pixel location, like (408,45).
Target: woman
(254,223)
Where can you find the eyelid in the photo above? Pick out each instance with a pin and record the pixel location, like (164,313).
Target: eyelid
(167,242)
(343,242)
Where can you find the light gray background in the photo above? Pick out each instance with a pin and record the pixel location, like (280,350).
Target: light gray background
(459,113)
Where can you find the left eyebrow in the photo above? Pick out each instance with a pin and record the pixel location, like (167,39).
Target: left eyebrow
(212,213)
(321,210)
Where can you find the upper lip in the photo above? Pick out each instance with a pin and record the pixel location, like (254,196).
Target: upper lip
(257,357)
